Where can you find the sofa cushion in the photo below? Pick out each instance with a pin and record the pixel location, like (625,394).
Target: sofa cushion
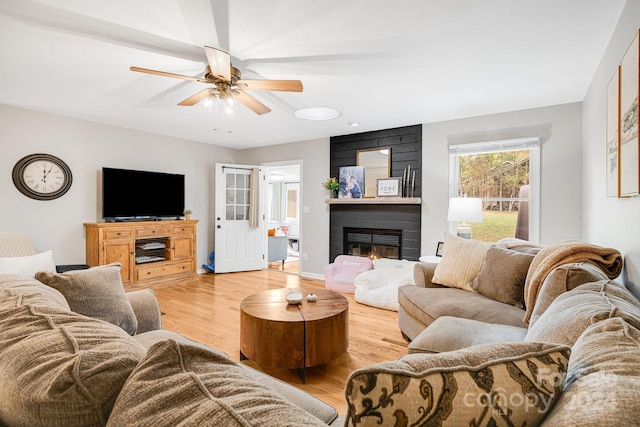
(603,378)
(20,290)
(562,279)
(427,304)
(292,394)
(454,333)
(60,368)
(573,312)
(183,384)
(28,265)
(461,262)
(502,275)
(512,383)
(97,292)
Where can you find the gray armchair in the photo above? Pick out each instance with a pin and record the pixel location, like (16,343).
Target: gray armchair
(277,248)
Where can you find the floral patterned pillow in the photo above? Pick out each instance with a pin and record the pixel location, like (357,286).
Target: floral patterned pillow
(513,383)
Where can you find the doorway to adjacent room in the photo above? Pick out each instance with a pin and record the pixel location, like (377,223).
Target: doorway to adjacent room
(283,217)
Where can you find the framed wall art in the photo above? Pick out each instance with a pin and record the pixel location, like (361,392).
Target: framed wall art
(351,182)
(613,133)
(389,187)
(628,146)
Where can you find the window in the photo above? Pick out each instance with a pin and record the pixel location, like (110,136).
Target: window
(505,175)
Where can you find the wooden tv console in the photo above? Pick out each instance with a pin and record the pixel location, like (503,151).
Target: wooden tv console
(149,251)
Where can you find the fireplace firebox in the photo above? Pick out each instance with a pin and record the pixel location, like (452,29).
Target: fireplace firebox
(373,243)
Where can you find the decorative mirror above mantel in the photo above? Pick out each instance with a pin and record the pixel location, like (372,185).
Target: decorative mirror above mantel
(377,165)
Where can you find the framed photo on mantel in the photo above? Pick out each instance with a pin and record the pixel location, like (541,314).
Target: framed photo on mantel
(389,187)
(351,181)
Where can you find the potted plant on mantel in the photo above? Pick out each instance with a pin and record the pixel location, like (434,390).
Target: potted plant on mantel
(187,214)
(333,186)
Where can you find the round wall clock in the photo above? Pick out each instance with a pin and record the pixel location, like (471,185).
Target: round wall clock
(42,176)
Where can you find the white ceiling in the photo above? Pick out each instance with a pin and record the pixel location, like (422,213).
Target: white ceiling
(382,63)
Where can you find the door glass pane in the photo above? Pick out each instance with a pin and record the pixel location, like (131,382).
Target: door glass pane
(230,197)
(231,180)
(240,213)
(237,196)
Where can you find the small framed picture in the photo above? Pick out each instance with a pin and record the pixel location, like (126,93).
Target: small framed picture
(440,248)
(388,187)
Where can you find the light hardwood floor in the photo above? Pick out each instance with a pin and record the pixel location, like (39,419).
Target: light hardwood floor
(207,309)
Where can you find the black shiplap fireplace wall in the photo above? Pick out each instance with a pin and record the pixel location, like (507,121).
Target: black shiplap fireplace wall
(406,150)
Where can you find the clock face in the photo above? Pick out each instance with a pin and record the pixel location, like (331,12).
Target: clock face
(42,176)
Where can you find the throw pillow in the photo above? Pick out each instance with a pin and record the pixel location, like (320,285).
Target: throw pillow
(16,290)
(461,262)
(502,276)
(603,379)
(182,384)
(28,265)
(572,312)
(97,292)
(514,383)
(59,368)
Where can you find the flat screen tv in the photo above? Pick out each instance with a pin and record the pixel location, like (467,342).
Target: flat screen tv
(131,194)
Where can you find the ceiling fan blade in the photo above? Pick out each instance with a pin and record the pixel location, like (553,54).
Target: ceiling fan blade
(219,62)
(274,85)
(194,99)
(250,102)
(165,74)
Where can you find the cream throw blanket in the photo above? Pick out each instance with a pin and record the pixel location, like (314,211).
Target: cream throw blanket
(607,259)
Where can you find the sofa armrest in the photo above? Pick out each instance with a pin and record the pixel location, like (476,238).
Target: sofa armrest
(147,310)
(423,273)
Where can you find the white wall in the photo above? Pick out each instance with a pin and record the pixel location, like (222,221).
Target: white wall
(86,147)
(560,130)
(314,231)
(609,221)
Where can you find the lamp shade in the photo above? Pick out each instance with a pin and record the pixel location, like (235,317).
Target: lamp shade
(465,209)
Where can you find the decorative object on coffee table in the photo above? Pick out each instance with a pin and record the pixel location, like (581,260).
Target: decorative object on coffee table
(293,298)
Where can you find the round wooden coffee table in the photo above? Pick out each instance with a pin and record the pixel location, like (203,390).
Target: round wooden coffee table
(275,333)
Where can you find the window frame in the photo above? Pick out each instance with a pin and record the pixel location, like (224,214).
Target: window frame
(530,143)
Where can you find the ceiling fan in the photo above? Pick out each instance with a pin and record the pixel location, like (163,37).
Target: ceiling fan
(227,82)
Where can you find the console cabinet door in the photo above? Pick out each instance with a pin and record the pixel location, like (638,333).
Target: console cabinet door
(183,247)
(120,251)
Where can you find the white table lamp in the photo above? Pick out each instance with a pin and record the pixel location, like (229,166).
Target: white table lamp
(463,210)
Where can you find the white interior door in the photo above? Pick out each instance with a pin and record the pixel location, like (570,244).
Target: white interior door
(238,246)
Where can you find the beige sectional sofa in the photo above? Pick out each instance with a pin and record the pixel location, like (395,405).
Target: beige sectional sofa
(488,301)
(571,359)
(117,367)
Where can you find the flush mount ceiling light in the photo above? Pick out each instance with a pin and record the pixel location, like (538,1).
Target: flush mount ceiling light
(353,124)
(316,113)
